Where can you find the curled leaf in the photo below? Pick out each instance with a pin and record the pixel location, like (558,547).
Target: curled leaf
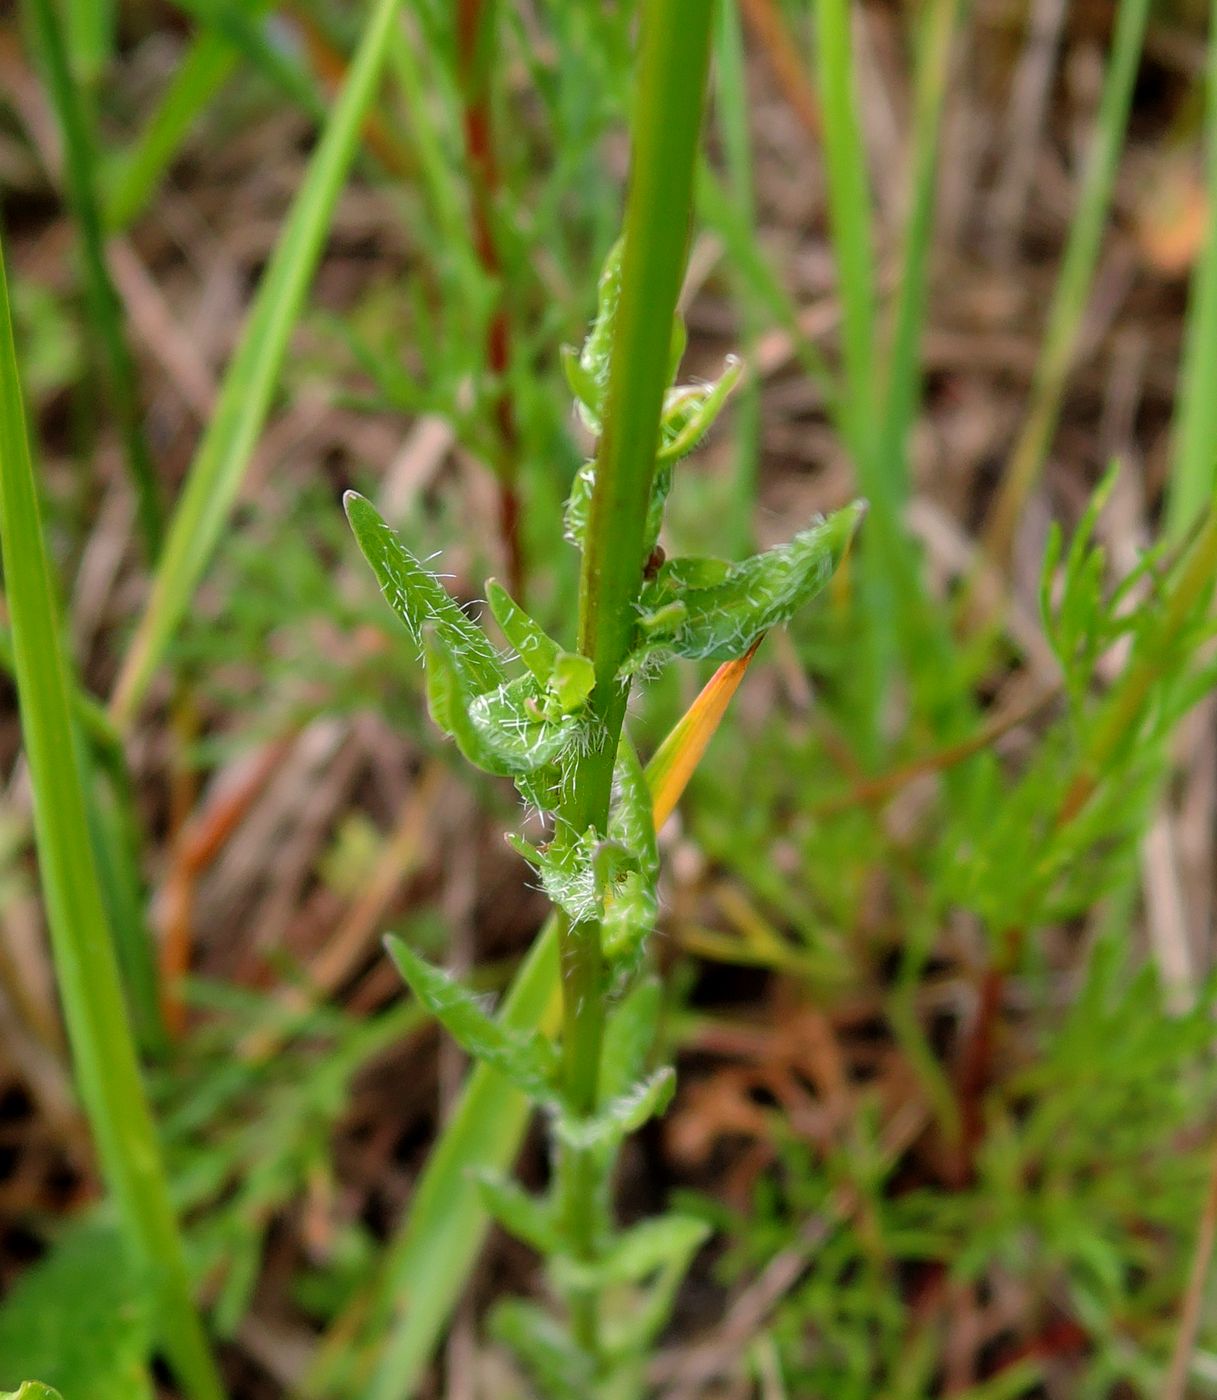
(684,616)
(689,411)
(531,643)
(501,731)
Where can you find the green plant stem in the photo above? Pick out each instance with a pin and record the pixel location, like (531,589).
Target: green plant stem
(1194,470)
(244,401)
(1073,284)
(902,380)
(80,164)
(426,1267)
(86,969)
(849,210)
(851,226)
(734,114)
(667,125)
(922,630)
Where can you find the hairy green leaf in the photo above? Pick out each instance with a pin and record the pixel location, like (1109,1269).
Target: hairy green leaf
(518,1212)
(620,1116)
(531,643)
(503,731)
(721,620)
(418,597)
(689,411)
(529,1061)
(558,1368)
(668,1241)
(568,873)
(629,1036)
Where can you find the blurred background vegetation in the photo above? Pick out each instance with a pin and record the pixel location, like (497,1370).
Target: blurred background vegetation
(937,931)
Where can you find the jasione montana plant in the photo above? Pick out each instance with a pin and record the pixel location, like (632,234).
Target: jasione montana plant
(527,713)
(551,718)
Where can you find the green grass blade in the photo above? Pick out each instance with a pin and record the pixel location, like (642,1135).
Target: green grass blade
(85,965)
(733,113)
(242,26)
(851,225)
(718,211)
(244,401)
(1074,282)
(116,847)
(105,308)
(1194,470)
(902,381)
(90,26)
(135,174)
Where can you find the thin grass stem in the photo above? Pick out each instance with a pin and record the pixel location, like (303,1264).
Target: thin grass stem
(80,165)
(1193,477)
(851,224)
(244,401)
(1073,283)
(103,1048)
(135,174)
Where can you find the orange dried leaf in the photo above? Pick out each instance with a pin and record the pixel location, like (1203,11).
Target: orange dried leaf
(668,773)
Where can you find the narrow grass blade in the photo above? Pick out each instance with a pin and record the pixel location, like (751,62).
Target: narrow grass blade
(734,113)
(91,26)
(102,1045)
(228,442)
(135,174)
(851,225)
(105,309)
(1194,470)
(902,380)
(241,25)
(1074,282)
(427,1266)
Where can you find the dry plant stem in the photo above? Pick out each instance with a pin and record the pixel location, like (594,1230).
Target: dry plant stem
(667,124)
(765,20)
(476,25)
(874,791)
(1175,1386)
